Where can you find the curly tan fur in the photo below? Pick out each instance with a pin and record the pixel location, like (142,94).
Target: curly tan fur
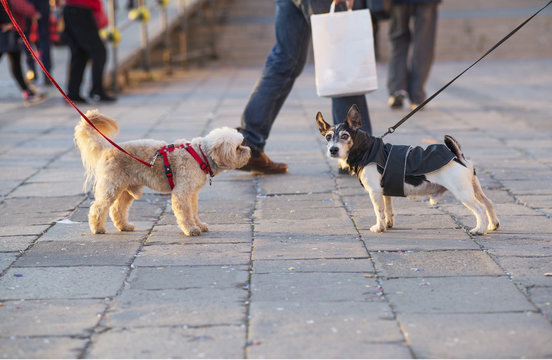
(118,179)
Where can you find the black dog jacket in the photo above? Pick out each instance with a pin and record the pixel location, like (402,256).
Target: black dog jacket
(396,162)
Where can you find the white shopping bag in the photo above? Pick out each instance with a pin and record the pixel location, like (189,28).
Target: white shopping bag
(344,59)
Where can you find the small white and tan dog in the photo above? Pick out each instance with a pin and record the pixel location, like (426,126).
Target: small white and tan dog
(408,172)
(118,179)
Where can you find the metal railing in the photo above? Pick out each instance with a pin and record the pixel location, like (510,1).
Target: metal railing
(157,21)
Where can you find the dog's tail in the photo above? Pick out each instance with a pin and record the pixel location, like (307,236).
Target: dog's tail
(90,143)
(454,146)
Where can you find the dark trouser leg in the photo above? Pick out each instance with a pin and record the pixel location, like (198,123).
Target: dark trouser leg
(399,35)
(17,72)
(423,49)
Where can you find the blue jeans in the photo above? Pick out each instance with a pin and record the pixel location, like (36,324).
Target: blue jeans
(283,66)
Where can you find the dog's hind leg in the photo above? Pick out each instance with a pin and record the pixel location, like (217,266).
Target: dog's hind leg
(388,203)
(488,204)
(183,210)
(119,211)
(467,197)
(104,198)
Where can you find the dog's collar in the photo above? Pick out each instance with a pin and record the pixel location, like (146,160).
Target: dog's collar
(203,162)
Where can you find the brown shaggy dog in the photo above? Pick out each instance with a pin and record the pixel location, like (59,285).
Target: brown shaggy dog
(119,179)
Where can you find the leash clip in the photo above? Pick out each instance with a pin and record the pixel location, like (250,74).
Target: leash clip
(155,156)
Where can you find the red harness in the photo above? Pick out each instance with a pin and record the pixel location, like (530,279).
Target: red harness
(203,163)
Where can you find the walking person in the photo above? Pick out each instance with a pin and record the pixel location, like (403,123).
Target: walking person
(83,19)
(11,44)
(282,67)
(408,78)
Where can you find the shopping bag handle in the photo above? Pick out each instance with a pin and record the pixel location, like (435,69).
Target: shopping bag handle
(349,3)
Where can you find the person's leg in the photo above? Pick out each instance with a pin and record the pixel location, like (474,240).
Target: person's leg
(341,106)
(15,68)
(423,50)
(282,67)
(399,35)
(73,19)
(43,7)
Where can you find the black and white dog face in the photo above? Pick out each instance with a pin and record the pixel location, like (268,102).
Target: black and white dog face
(339,138)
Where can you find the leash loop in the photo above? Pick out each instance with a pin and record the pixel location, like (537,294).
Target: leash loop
(419,107)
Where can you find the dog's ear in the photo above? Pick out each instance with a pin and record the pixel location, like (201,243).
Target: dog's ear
(353,118)
(322,125)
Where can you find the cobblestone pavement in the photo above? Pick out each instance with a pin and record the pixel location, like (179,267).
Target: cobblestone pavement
(289,268)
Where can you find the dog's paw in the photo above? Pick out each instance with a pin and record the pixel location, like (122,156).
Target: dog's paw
(203,227)
(377,228)
(389,223)
(100,230)
(493,227)
(477,231)
(126,227)
(193,231)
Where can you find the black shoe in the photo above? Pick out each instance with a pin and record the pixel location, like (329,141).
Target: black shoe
(78,100)
(102,97)
(397,99)
(261,164)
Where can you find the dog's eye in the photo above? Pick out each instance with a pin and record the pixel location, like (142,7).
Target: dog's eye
(328,137)
(344,136)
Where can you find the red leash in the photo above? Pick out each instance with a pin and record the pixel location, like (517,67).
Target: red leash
(8,11)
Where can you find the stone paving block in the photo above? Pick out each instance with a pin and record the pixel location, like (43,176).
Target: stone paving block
(300,202)
(55,174)
(454,295)
(185,277)
(434,263)
(194,254)
(341,225)
(499,335)
(415,240)
(529,271)
(324,330)
(47,189)
(308,287)
(280,246)
(229,190)
(70,282)
(15,243)
(218,233)
(50,317)
(511,245)
(349,265)
(542,298)
(218,342)
(72,253)
(6,259)
(296,182)
(288,212)
(194,306)
(41,347)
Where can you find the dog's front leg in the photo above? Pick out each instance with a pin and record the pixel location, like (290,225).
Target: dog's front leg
(202,225)
(388,211)
(376,195)
(183,210)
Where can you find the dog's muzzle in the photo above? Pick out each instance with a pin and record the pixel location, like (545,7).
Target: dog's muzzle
(334,151)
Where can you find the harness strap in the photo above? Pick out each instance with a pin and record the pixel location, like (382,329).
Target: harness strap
(203,164)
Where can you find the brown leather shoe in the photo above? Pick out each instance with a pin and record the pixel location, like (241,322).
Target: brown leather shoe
(260,163)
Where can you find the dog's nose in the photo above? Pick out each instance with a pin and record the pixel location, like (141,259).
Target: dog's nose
(334,150)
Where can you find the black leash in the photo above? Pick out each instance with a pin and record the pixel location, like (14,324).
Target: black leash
(394,127)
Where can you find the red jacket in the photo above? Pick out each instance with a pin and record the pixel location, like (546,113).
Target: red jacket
(94,5)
